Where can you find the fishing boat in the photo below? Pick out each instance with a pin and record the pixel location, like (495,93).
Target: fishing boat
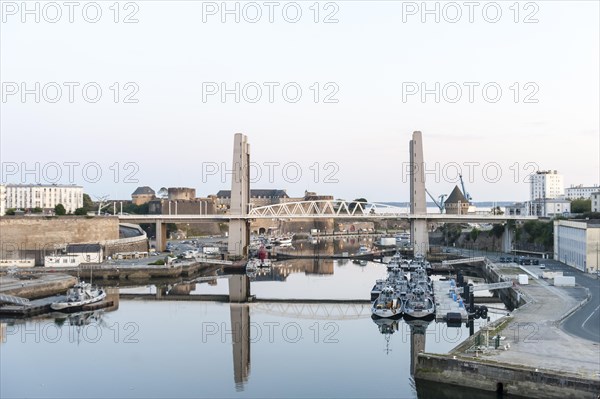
(377,288)
(420,279)
(80,295)
(387,305)
(419,305)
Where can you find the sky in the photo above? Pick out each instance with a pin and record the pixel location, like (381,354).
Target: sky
(113,95)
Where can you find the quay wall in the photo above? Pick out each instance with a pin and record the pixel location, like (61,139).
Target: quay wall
(487,376)
(511,297)
(38,233)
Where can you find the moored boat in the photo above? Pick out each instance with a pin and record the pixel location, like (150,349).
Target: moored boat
(387,305)
(80,295)
(419,305)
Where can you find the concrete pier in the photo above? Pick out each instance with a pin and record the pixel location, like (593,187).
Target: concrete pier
(445,304)
(533,357)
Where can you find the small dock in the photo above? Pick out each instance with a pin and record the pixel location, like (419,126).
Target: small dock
(446,303)
(41,306)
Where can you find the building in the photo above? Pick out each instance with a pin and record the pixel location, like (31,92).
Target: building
(76,254)
(195,206)
(577,192)
(517,209)
(549,207)
(142,195)
(258,197)
(595,198)
(45,197)
(456,203)
(546,184)
(181,193)
(2,199)
(577,244)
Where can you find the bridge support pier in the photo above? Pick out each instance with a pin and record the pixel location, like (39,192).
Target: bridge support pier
(239,229)
(419,236)
(161,236)
(239,288)
(507,239)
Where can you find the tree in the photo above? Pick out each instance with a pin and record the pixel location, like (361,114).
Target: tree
(80,211)
(355,203)
(497,211)
(581,205)
(88,204)
(496,232)
(474,234)
(59,210)
(10,212)
(37,209)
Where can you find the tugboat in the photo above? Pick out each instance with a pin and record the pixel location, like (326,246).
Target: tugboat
(387,305)
(81,294)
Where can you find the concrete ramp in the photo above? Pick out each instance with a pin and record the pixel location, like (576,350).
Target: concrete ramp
(15,300)
(464,260)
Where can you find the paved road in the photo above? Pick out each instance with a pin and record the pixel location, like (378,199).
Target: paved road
(585,322)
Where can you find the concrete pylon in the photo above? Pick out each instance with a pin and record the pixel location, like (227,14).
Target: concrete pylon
(507,239)
(161,236)
(239,229)
(419,237)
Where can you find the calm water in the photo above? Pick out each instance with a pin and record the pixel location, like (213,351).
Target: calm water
(206,349)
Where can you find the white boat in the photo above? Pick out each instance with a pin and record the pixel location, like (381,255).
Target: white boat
(419,305)
(387,305)
(81,294)
(283,241)
(377,288)
(255,264)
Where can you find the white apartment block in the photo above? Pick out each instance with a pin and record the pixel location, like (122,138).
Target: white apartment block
(2,199)
(595,198)
(577,244)
(28,196)
(576,192)
(546,184)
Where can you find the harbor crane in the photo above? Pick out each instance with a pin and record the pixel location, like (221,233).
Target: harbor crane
(467,195)
(440,204)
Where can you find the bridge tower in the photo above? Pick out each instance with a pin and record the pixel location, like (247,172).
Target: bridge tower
(239,229)
(418,228)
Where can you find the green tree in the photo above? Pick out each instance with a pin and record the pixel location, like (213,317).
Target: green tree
(581,205)
(497,211)
(355,203)
(10,211)
(59,210)
(37,209)
(80,211)
(474,234)
(88,204)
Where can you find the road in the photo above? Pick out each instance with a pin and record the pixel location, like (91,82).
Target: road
(585,322)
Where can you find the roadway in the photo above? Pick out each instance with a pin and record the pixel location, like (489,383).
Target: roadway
(584,322)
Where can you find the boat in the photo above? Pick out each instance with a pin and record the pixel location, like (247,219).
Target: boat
(420,261)
(419,305)
(377,288)
(420,279)
(387,305)
(283,241)
(80,295)
(255,264)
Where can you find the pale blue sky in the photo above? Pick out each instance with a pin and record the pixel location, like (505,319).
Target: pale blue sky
(368,54)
